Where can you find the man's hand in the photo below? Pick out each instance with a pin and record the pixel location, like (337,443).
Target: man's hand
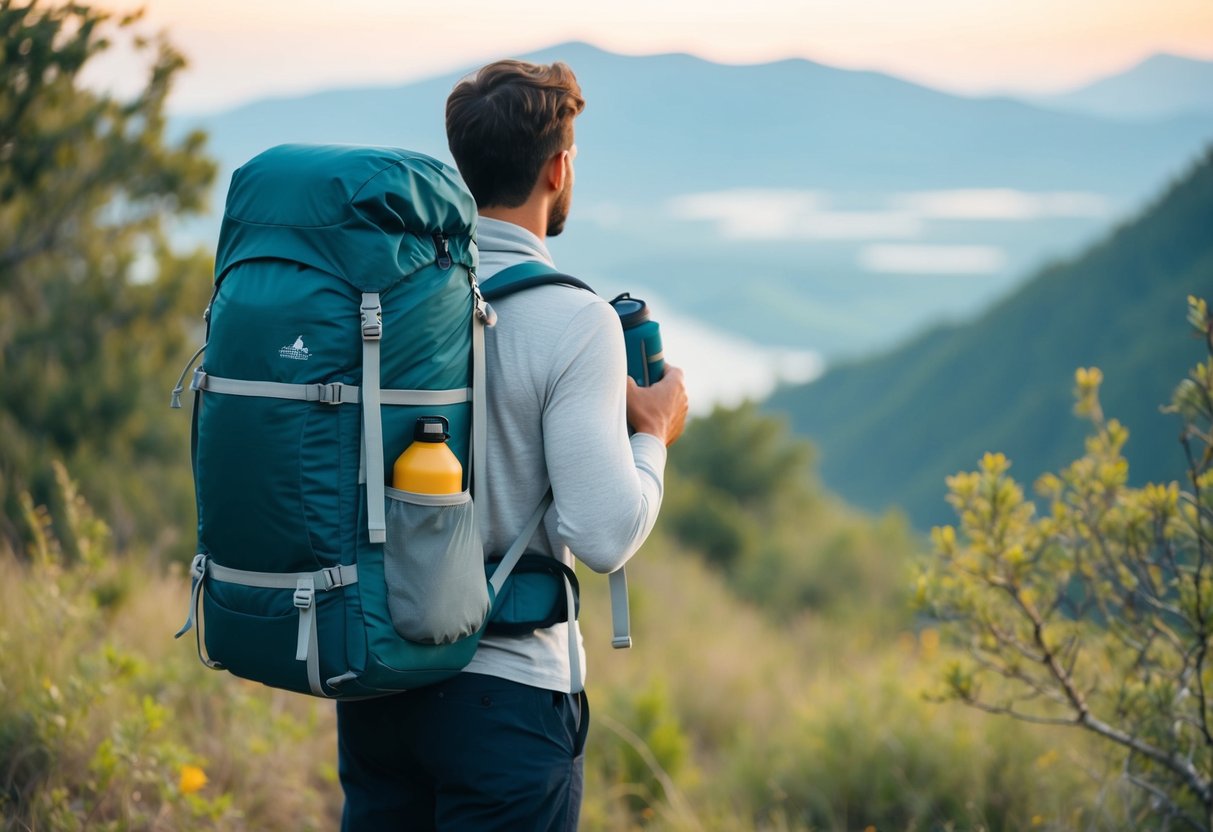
(660,409)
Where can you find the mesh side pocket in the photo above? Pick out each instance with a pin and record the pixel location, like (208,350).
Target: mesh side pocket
(433,564)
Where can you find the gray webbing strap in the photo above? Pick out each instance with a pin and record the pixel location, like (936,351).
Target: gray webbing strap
(333,393)
(425,397)
(480,425)
(307,647)
(372,427)
(193,617)
(506,566)
(620,620)
(512,555)
(322,579)
(576,680)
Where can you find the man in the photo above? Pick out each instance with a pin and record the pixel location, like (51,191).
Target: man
(500,746)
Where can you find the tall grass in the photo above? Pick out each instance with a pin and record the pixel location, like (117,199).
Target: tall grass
(816,724)
(102,713)
(719,719)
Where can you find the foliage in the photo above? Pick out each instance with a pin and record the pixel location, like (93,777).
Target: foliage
(740,490)
(745,456)
(95,310)
(104,726)
(816,724)
(718,719)
(1099,614)
(731,472)
(892,427)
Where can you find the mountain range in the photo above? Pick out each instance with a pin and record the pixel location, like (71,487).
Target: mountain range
(890,429)
(1159,86)
(791,203)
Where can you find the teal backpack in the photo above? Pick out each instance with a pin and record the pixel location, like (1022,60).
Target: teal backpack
(345,307)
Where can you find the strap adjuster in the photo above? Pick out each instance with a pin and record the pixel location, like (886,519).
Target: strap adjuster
(326,393)
(198,567)
(305,596)
(332,577)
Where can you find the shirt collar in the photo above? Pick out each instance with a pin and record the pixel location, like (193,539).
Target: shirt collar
(506,238)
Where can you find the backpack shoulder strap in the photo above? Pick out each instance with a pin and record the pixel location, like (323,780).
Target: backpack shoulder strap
(518,278)
(523,276)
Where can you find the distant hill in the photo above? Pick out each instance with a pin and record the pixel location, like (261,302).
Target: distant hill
(862,160)
(1162,85)
(890,429)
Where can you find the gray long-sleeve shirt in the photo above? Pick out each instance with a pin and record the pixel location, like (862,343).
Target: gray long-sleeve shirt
(557,413)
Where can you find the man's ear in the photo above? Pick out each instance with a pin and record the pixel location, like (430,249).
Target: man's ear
(556,170)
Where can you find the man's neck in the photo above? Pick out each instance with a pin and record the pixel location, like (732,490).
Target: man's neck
(531,217)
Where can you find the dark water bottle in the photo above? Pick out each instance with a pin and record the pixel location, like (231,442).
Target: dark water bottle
(642,337)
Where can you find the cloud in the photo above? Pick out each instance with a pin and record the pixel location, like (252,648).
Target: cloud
(788,214)
(924,259)
(774,214)
(1000,204)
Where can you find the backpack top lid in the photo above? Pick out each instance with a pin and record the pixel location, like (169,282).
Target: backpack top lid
(365,214)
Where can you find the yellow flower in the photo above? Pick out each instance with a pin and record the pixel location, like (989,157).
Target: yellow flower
(995,463)
(944,538)
(192,779)
(1088,376)
(1046,759)
(928,640)
(1015,555)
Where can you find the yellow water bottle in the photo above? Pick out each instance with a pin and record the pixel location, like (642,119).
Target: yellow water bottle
(429,466)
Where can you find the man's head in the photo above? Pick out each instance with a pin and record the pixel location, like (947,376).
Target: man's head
(510,129)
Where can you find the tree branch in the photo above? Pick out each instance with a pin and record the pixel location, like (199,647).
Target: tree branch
(1190,775)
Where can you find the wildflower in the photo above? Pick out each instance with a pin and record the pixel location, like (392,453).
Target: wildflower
(192,779)
(928,640)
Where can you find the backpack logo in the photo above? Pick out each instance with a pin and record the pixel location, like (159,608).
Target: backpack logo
(295,351)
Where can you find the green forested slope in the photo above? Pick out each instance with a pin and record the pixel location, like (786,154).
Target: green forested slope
(890,429)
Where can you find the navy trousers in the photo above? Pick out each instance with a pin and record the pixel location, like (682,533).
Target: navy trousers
(472,753)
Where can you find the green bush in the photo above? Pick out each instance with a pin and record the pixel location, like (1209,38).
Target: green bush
(740,491)
(105,723)
(1095,614)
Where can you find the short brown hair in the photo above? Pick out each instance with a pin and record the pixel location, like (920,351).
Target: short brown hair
(505,122)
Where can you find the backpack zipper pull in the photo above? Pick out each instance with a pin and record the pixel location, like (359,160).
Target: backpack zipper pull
(443,251)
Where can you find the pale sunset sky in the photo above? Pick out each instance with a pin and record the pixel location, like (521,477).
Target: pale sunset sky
(244,49)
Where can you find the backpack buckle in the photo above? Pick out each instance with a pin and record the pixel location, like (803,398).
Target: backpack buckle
(305,596)
(372,321)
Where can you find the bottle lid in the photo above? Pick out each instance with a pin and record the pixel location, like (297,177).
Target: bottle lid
(431,429)
(632,311)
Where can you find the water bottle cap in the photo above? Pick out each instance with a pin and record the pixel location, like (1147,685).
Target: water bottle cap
(431,429)
(632,311)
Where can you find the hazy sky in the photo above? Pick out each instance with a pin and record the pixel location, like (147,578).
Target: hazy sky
(241,49)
